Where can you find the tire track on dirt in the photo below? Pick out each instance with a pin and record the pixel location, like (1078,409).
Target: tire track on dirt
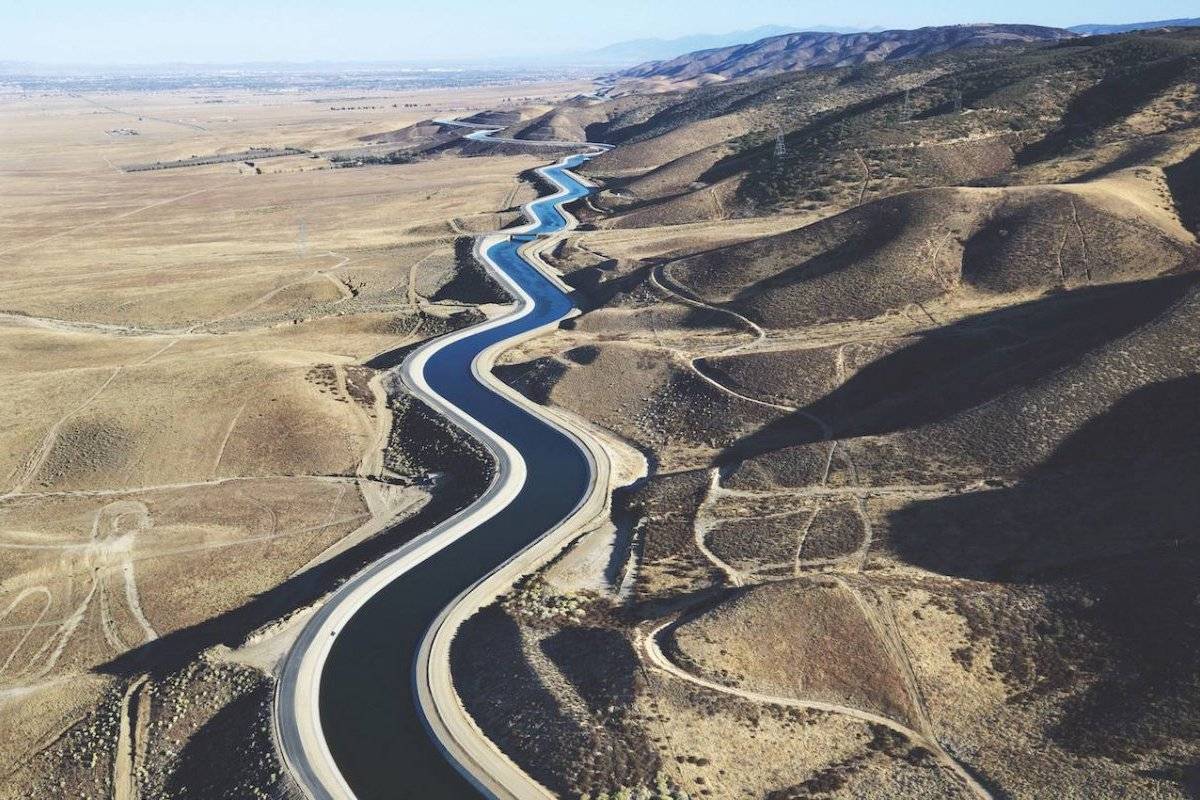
(649,646)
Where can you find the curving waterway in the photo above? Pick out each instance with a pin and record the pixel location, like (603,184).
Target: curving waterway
(369,717)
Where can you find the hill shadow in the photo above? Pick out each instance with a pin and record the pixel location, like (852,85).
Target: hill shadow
(232,738)
(1115,97)
(885,221)
(1105,528)
(488,652)
(1184,181)
(958,366)
(1142,151)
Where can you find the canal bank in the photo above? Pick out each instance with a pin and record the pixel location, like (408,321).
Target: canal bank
(348,715)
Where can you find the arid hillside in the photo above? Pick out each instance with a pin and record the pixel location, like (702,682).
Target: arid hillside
(917,518)
(796,51)
(824,140)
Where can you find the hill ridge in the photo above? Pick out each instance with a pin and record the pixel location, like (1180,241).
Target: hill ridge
(807,49)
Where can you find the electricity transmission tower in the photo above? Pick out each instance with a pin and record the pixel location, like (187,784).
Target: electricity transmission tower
(302,239)
(780,145)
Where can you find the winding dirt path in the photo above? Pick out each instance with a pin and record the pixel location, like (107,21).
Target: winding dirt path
(704,522)
(661,280)
(131,730)
(648,645)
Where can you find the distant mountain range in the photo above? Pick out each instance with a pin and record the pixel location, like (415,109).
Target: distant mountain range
(794,51)
(639,50)
(1092,30)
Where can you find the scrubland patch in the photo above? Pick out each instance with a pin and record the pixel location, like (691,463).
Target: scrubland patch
(947,479)
(193,418)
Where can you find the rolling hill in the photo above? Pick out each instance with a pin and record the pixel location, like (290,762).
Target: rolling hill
(1094,30)
(908,348)
(821,140)
(795,51)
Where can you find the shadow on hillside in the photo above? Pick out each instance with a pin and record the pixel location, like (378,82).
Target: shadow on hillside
(507,699)
(1106,527)
(1184,180)
(959,366)
(599,663)
(1135,154)
(218,760)
(470,281)
(882,223)
(1113,99)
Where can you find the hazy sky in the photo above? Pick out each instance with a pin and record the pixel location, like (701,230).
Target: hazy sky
(144,31)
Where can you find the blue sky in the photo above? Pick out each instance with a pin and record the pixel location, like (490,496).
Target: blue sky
(143,31)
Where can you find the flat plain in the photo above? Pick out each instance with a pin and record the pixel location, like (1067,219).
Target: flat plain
(188,428)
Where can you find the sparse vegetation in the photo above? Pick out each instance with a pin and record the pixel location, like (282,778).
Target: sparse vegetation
(193,444)
(900,358)
(947,478)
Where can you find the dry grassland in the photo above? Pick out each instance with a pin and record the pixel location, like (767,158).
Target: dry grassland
(921,485)
(186,425)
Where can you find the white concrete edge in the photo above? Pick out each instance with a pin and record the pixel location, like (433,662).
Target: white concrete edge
(487,133)
(467,747)
(296,717)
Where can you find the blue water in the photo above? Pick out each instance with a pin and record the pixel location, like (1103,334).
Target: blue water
(368,710)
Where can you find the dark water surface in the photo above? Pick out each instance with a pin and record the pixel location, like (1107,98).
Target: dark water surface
(368,709)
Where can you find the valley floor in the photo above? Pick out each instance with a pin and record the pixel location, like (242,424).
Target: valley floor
(196,446)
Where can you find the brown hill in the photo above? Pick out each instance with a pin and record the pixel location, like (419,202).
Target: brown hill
(936,243)
(794,51)
(931,455)
(829,138)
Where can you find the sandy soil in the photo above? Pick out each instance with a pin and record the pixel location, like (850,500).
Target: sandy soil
(919,469)
(187,421)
